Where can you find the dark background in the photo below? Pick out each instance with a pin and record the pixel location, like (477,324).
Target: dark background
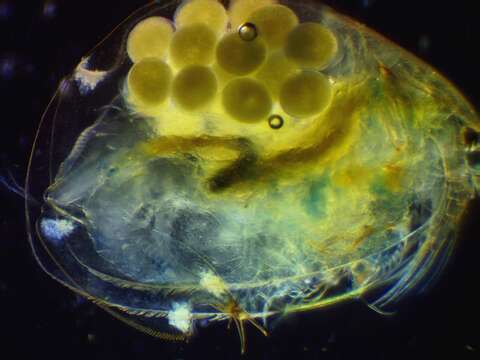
(41,41)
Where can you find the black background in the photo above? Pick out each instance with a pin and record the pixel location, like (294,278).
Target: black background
(41,41)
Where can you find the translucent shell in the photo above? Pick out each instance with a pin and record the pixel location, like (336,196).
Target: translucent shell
(248,161)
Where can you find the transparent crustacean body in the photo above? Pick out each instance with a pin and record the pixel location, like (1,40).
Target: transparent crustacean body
(236,163)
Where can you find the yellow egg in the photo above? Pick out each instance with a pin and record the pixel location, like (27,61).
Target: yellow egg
(193,45)
(194,87)
(305,94)
(240,10)
(208,12)
(246,100)
(276,69)
(149,81)
(273,23)
(238,56)
(311,45)
(149,38)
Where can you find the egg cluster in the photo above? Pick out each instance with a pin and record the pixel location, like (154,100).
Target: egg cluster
(243,62)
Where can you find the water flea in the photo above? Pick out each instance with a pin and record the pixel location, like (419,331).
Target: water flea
(167,199)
